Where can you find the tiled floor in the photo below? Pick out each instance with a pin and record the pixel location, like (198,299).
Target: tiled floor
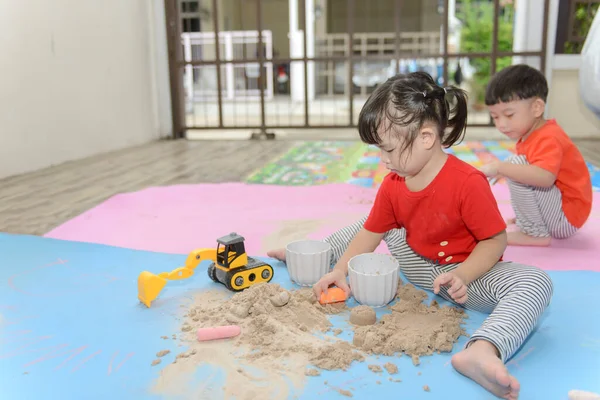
(35,203)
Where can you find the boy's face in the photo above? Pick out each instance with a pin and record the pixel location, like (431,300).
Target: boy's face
(517,118)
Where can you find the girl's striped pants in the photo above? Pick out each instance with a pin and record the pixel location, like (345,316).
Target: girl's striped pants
(515,295)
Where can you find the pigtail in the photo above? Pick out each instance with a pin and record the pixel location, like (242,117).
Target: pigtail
(409,101)
(457,115)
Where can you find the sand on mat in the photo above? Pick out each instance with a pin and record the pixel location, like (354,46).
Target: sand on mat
(289,231)
(279,346)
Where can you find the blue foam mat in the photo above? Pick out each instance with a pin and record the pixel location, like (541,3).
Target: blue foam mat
(71,328)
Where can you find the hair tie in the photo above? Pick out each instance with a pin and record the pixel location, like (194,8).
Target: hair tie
(424,93)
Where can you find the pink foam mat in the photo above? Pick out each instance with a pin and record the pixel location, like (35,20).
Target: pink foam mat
(177,219)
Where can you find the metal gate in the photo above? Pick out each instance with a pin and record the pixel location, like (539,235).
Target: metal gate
(236,64)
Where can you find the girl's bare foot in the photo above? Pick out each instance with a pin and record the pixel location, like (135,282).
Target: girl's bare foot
(480,362)
(511,221)
(520,239)
(278,254)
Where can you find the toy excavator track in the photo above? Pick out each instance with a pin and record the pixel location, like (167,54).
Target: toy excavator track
(241,278)
(212,272)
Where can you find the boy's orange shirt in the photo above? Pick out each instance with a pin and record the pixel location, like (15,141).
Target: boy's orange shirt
(550,148)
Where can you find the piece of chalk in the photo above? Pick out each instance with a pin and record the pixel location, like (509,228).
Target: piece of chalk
(218,332)
(582,395)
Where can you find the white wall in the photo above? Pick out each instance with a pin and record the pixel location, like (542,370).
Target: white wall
(564,100)
(159,61)
(528,28)
(565,104)
(79,78)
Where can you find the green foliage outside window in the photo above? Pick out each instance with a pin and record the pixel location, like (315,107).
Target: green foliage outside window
(476,37)
(583,18)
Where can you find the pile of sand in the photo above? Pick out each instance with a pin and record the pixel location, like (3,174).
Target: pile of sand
(283,339)
(412,327)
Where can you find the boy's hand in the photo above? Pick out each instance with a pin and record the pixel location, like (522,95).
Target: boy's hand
(335,277)
(491,169)
(458,289)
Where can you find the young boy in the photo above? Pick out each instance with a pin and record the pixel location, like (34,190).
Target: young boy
(550,185)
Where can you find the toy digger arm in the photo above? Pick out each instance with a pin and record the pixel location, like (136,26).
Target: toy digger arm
(199,255)
(177,273)
(150,285)
(191,263)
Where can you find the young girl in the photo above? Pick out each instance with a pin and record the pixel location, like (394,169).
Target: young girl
(439,218)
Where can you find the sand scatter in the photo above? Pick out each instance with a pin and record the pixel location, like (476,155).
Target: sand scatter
(391,368)
(162,353)
(281,335)
(375,368)
(282,341)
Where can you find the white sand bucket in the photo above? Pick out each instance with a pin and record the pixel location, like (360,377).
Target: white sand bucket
(307,261)
(373,278)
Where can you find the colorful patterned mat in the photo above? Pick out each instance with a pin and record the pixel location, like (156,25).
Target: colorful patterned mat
(322,162)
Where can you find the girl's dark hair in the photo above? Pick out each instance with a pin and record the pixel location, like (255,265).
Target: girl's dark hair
(411,100)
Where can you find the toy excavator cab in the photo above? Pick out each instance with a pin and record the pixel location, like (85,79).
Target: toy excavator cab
(234,269)
(231,252)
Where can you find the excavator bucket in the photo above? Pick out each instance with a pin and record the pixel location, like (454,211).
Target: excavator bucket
(149,286)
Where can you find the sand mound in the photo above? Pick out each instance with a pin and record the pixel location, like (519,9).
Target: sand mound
(412,327)
(363,315)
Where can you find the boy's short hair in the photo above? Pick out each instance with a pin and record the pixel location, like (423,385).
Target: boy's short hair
(517,82)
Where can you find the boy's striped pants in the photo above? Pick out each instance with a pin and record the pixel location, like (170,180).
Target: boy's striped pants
(538,211)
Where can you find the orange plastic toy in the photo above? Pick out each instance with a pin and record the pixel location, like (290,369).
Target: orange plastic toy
(334,295)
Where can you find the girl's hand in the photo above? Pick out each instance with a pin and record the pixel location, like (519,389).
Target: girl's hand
(458,289)
(335,277)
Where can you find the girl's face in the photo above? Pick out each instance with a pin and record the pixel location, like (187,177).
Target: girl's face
(409,161)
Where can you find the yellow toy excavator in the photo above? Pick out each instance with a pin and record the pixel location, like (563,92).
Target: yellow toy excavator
(231,266)
(234,268)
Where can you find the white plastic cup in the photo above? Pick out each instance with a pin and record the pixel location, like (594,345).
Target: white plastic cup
(373,278)
(307,261)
